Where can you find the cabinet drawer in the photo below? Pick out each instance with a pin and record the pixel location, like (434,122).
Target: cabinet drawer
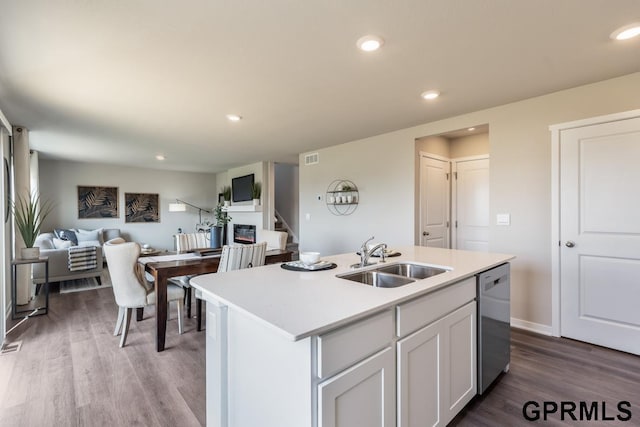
(420,312)
(344,347)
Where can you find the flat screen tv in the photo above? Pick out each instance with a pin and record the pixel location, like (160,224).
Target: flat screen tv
(241,188)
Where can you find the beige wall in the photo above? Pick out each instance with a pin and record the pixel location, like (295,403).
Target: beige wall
(467,146)
(384,169)
(453,148)
(59,181)
(438,145)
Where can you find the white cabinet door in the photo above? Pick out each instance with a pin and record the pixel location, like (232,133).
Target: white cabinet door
(437,370)
(420,373)
(363,395)
(461,356)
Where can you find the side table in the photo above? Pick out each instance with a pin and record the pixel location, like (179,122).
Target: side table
(36,311)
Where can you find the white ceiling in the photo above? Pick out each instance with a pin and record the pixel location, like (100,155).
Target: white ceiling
(121,81)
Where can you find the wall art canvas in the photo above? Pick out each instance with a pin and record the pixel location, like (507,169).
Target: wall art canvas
(97,202)
(141,207)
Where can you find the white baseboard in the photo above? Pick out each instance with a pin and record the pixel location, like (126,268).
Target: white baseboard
(531,326)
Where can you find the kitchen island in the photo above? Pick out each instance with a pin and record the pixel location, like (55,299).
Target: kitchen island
(287,348)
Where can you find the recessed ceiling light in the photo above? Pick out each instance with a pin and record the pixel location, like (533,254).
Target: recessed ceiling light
(160,157)
(626,32)
(369,43)
(471,129)
(234,117)
(430,94)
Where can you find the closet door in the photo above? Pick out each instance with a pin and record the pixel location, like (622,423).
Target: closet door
(434,202)
(471,204)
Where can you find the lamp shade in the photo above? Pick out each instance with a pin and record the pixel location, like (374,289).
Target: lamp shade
(177,207)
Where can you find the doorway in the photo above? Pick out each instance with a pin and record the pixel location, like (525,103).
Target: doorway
(596,255)
(453,190)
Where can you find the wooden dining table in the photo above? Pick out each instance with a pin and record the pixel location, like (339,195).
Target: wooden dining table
(198,261)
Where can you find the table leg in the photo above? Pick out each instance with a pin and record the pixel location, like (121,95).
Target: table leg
(161,309)
(139,313)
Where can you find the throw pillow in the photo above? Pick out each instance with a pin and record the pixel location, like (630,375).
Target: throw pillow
(93,235)
(89,243)
(66,234)
(62,244)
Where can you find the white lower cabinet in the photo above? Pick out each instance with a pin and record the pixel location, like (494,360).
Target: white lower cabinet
(363,395)
(437,369)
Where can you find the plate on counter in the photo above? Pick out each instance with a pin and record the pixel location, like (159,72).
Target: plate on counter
(300,266)
(387,253)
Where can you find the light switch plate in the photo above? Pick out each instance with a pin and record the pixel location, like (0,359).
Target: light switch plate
(503,219)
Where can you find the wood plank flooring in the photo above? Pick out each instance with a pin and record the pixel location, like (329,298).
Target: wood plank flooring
(71,372)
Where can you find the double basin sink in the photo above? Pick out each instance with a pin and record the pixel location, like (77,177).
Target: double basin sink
(393,275)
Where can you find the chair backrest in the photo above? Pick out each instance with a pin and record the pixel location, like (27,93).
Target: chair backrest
(274,239)
(236,257)
(122,261)
(189,241)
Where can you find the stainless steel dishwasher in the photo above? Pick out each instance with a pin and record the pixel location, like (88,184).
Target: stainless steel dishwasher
(494,325)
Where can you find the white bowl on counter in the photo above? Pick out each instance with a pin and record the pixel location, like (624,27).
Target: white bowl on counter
(310,258)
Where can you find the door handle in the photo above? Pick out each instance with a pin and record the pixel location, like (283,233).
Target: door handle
(425,233)
(570,244)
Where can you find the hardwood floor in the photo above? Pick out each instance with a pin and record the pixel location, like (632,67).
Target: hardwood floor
(556,370)
(71,372)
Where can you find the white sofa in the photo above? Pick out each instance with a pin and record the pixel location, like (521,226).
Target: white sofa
(58,254)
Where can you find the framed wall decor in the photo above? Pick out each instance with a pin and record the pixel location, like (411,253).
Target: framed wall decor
(141,207)
(97,202)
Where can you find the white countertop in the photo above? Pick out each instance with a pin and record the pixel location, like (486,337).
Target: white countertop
(301,304)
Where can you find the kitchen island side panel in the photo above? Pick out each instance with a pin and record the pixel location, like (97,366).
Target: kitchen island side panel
(268,377)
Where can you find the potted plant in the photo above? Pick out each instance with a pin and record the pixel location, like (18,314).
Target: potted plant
(217,231)
(256,191)
(29,215)
(226,195)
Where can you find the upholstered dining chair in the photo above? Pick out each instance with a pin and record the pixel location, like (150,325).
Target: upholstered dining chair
(130,287)
(186,242)
(235,257)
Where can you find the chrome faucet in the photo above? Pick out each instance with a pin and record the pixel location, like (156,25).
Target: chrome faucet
(366,254)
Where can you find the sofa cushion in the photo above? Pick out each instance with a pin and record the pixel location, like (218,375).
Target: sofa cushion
(66,234)
(95,243)
(45,241)
(61,244)
(90,236)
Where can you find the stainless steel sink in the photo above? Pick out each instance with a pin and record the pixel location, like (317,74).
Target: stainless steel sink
(393,275)
(414,271)
(377,279)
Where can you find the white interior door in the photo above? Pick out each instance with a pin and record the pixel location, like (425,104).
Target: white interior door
(434,202)
(471,204)
(600,234)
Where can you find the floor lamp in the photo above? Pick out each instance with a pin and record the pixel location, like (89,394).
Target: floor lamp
(181,206)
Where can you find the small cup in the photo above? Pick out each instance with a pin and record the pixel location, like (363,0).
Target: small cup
(331,199)
(349,199)
(309,258)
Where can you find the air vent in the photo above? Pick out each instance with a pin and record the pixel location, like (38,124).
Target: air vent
(311,159)
(13,347)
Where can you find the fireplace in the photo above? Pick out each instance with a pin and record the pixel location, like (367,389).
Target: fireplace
(244,233)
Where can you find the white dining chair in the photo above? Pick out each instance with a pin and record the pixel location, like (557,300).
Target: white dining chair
(184,243)
(130,287)
(235,257)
